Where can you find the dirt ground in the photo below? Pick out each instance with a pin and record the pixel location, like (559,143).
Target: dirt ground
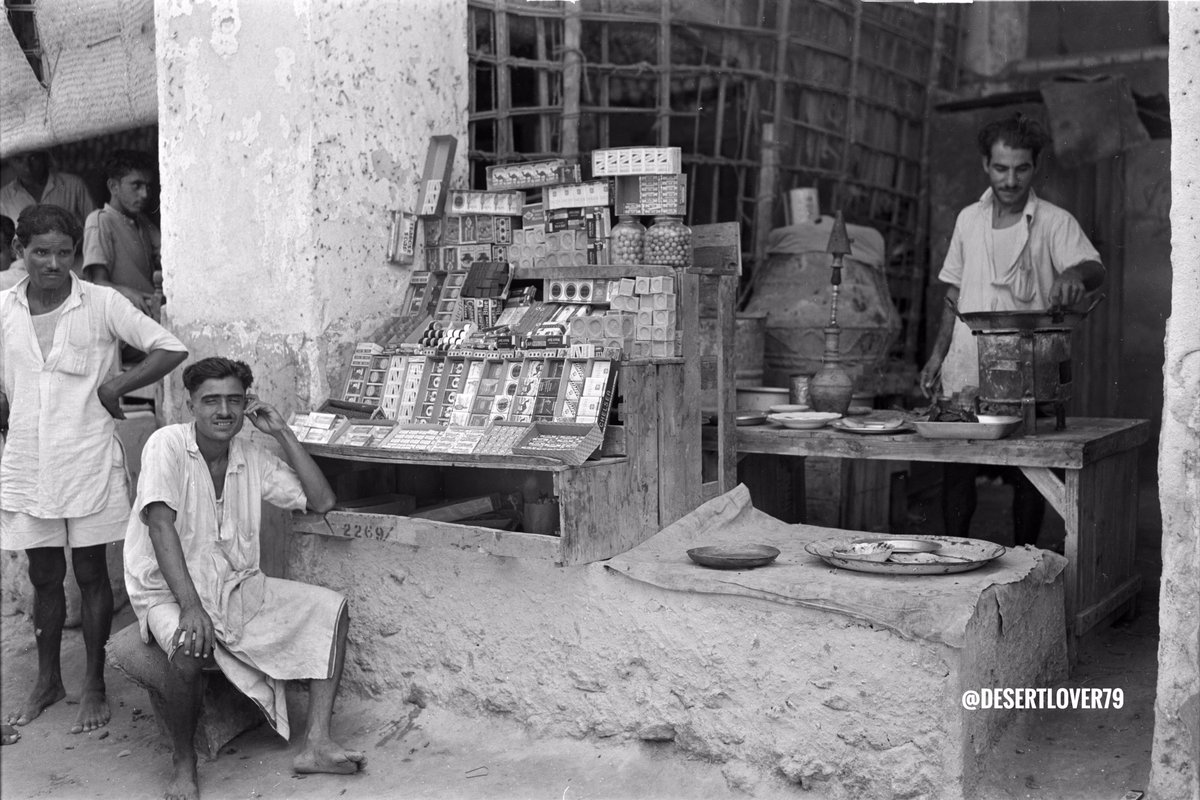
(1059,755)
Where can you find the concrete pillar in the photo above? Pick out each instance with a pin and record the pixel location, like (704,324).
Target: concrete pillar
(1175,769)
(289,130)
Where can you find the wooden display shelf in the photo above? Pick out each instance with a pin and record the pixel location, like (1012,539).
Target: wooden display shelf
(602,508)
(387,456)
(611,272)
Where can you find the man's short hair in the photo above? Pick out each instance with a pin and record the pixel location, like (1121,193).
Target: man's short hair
(216,368)
(1020,132)
(46,218)
(8,229)
(122,162)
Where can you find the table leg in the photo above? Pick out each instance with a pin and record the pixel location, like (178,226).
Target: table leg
(1098,504)
(1106,493)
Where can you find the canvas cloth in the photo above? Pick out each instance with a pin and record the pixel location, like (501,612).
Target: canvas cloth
(930,607)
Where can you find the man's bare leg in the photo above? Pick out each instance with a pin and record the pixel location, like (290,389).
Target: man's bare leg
(183,693)
(96,607)
(320,752)
(47,571)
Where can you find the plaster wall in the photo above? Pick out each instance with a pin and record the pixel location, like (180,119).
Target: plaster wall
(811,698)
(1175,770)
(290,129)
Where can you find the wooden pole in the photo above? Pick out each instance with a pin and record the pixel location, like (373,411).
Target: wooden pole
(764,203)
(719,133)
(504,138)
(572,79)
(664,76)
(921,245)
(839,199)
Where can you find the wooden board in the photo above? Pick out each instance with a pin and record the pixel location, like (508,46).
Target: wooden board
(375,530)
(600,272)
(1105,496)
(382,456)
(678,446)
(1084,441)
(638,387)
(604,512)
(717,249)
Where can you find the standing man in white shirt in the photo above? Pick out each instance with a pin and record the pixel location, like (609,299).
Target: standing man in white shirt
(1010,251)
(62,472)
(38,182)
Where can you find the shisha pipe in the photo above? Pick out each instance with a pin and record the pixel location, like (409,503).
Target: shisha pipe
(831,388)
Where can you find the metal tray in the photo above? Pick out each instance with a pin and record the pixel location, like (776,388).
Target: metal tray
(954,554)
(998,429)
(739,556)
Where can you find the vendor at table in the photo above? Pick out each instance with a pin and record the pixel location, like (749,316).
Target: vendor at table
(1010,251)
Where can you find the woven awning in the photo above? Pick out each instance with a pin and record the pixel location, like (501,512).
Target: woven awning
(100,74)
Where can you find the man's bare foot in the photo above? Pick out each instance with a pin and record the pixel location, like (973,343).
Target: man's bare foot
(45,693)
(328,756)
(94,712)
(8,734)
(184,785)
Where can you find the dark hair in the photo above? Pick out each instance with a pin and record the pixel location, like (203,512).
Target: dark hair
(46,218)
(122,162)
(216,368)
(8,229)
(1020,132)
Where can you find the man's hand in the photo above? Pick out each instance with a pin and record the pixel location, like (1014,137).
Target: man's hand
(141,300)
(1067,289)
(110,399)
(195,632)
(931,376)
(263,416)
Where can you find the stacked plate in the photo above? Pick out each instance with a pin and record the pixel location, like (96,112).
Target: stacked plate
(804,420)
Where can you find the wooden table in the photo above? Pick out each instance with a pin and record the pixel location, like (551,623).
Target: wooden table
(1096,493)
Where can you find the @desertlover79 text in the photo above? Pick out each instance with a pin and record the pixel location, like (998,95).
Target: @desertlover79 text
(1042,698)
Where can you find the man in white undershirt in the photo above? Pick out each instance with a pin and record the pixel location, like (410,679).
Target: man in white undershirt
(1010,251)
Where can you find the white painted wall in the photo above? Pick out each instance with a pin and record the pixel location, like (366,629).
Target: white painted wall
(1175,771)
(289,129)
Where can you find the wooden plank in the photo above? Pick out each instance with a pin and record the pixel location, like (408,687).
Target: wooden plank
(687,415)
(604,512)
(1090,617)
(380,529)
(727,287)
(1079,444)
(1107,497)
(678,446)
(776,485)
(381,456)
(1051,487)
(598,271)
(638,386)
(717,249)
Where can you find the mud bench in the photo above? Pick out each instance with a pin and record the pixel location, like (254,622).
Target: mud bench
(845,683)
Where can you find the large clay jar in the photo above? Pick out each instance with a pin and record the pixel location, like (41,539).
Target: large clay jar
(795,293)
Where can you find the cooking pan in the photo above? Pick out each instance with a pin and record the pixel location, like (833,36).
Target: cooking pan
(1052,319)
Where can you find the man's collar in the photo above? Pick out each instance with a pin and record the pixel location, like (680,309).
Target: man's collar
(237,458)
(988,198)
(73,299)
(121,214)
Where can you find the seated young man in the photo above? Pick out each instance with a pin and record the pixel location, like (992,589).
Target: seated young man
(192,569)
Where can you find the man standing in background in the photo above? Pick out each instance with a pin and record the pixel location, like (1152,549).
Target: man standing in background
(1010,251)
(37,182)
(121,245)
